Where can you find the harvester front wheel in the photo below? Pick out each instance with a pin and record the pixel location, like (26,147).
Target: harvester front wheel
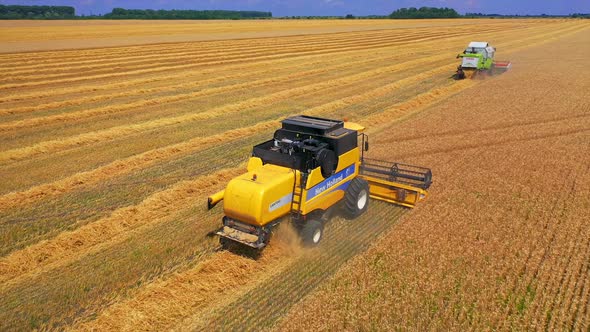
(312,232)
(356,198)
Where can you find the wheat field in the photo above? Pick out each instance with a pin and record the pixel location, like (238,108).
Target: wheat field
(110,146)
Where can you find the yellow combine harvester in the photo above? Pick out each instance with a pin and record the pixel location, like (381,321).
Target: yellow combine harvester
(311,168)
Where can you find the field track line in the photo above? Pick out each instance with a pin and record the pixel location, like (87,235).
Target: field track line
(496,127)
(236,67)
(584,273)
(556,271)
(190,291)
(562,301)
(111,133)
(70,102)
(378,44)
(422,100)
(190,54)
(195,84)
(549,228)
(393,110)
(401,111)
(205,55)
(302,278)
(87,179)
(140,81)
(159,62)
(199,48)
(70,245)
(146,55)
(158,69)
(123,166)
(501,141)
(178,97)
(131,50)
(134,82)
(138,52)
(74,116)
(149,157)
(562,287)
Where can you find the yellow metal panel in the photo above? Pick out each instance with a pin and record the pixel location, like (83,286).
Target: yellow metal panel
(314,177)
(254,163)
(261,195)
(348,158)
(345,160)
(331,196)
(394,192)
(324,202)
(215,198)
(354,126)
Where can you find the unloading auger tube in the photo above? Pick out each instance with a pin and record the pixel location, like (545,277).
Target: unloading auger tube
(310,169)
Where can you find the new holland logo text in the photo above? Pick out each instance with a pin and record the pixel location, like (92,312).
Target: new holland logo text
(330,182)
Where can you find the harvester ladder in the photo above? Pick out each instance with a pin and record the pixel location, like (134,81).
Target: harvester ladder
(297,198)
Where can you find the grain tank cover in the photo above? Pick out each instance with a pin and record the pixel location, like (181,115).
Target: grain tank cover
(478,44)
(311,125)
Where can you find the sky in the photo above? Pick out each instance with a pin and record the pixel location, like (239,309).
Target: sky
(326,7)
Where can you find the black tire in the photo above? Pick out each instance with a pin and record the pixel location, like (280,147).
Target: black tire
(312,232)
(356,198)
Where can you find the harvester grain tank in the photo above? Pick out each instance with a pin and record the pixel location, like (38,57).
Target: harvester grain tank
(478,58)
(311,168)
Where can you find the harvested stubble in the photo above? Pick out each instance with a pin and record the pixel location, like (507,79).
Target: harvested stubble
(68,245)
(106,110)
(379,92)
(349,70)
(223,279)
(86,204)
(218,61)
(503,243)
(75,116)
(223,275)
(35,36)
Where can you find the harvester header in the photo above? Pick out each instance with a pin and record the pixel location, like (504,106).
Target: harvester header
(310,169)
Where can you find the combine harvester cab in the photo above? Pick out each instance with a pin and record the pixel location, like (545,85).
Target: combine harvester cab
(311,168)
(477,59)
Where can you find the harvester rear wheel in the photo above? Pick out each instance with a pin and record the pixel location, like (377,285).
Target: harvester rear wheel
(356,198)
(312,232)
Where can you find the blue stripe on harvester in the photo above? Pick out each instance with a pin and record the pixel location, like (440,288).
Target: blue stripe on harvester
(331,182)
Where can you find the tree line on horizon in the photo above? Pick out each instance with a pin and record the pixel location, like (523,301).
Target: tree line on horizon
(15,12)
(150,14)
(424,12)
